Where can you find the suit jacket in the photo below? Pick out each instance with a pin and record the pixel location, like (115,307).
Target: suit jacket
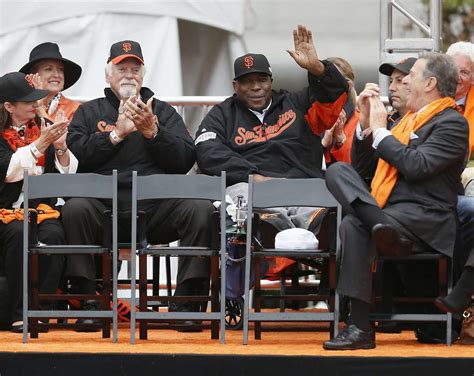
(429,168)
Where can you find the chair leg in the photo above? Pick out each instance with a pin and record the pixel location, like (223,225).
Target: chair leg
(295,285)
(156,280)
(214,295)
(142,281)
(257,294)
(34,291)
(443,276)
(168,275)
(282,290)
(387,286)
(332,288)
(106,297)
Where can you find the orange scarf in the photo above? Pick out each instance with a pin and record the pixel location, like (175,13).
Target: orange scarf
(386,175)
(32,133)
(469,115)
(44,212)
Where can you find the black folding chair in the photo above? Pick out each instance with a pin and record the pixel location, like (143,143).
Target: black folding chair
(167,186)
(386,265)
(69,185)
(285,193)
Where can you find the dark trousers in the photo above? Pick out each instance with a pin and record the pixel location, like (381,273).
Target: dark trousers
(11,247)
(358,248)
(465,209)
(167,220)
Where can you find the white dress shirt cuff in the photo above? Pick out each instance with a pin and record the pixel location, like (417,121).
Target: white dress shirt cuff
(21,159)
(73,164)
(362,134)
(379,135)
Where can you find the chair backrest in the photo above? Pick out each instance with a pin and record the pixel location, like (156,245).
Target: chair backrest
(70,185)
(291,192)
(167,186)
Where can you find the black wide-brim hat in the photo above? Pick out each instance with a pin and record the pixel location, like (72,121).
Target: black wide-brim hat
(48,50)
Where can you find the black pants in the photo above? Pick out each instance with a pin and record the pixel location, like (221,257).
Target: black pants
(358,248)
(11,247)
(167,220)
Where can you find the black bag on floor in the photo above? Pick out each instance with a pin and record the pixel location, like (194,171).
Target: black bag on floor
(235,266)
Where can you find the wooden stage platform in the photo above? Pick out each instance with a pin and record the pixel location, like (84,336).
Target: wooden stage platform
(168,352)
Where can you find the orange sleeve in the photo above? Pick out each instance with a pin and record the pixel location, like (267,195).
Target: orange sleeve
(322,116)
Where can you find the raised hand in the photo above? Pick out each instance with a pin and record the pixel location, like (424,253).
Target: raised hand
(50,134)
(124,125)
(378,114)
(305,53)
(35,79)
(142,116)
(370,90)
(60,142)
(335,132)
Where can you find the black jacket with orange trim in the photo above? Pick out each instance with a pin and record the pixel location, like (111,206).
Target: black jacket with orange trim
(170,152)
(286,145)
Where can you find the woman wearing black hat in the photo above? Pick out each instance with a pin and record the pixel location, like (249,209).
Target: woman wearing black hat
(26,141)
(54,74)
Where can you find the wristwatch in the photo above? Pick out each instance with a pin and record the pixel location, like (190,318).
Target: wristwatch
(61,151)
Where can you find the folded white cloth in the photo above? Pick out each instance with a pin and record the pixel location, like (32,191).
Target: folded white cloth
(296,238)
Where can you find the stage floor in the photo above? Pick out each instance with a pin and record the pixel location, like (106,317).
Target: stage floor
(167,341)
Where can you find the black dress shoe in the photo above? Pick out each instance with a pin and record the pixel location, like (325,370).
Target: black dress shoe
(449,304)
(18,328)
(389,327)
(434,334)
(351,338)
(461,296)
(389,242)
(187,326)
(88,325)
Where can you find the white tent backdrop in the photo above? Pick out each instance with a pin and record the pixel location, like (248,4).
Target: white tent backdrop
(188,46)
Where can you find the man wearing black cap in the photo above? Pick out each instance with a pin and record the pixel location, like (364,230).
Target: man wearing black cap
(267,133)
(272,134)
(398,94)
(130,130)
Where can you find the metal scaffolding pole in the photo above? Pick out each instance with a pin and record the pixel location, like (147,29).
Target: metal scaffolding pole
(392,50)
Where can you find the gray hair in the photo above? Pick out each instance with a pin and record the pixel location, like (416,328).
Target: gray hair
(444,69)
(462,48)
(108,69)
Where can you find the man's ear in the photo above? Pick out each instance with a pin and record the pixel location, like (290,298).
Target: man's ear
(234,85)
(431,83)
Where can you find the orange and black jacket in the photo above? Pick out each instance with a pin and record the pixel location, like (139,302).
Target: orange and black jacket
(286,144)
(170,152)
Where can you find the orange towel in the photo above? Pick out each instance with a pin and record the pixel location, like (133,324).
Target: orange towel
(44,212)
(386,175)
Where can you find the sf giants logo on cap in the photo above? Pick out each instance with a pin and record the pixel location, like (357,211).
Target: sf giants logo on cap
(126,46)
(248,62)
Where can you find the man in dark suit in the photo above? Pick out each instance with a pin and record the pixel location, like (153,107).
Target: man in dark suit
(412,205)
